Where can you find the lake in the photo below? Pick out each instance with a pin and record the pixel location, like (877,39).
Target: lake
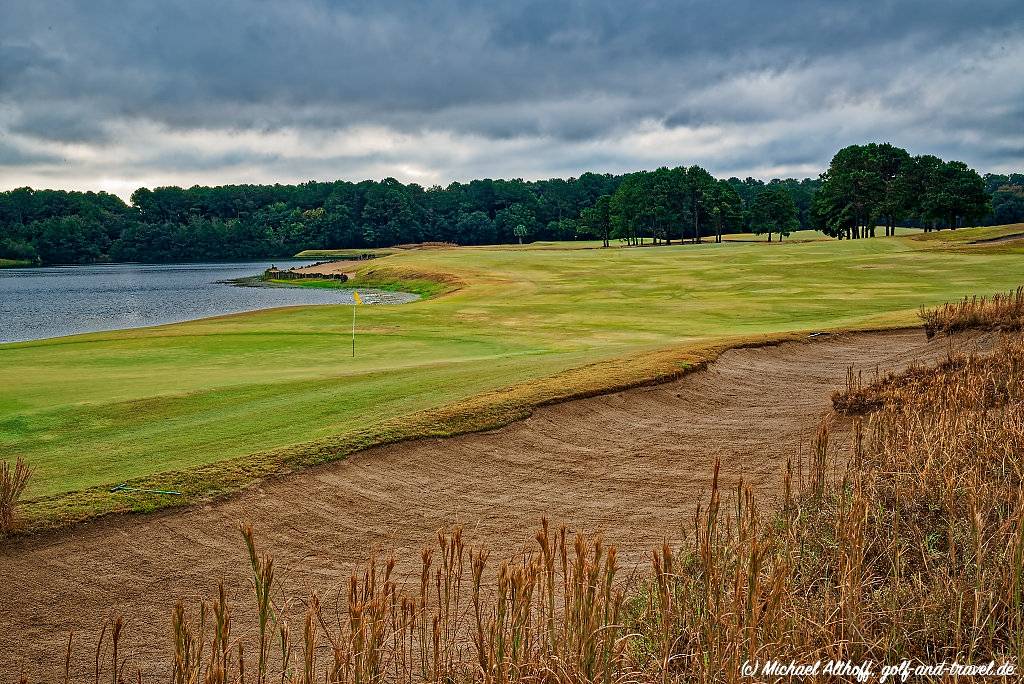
(36,303)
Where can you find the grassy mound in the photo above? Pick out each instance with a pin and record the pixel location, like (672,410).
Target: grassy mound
(424,284)
(986,240)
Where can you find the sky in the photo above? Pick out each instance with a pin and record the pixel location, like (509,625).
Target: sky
(98,95)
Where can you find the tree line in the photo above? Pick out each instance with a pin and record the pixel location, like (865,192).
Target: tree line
(883,185)
(864,186)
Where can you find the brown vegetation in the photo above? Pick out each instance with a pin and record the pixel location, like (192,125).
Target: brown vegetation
(858,398)
(915,550)
(555,615)
(998,312)
(12,484)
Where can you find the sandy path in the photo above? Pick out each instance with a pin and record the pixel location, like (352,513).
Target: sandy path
(631,464)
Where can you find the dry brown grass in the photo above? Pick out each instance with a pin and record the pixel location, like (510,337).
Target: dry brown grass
(555,615)
(13,481)
(915,550)
(858,398)
(998,312)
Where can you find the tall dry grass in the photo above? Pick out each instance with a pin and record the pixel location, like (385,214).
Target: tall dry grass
(13,481)
(899,535)
(915,549)
(554,615)
(1001,311)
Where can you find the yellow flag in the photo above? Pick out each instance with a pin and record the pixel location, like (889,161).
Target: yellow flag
(356,297)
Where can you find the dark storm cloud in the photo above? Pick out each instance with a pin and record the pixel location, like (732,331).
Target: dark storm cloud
(64,124)
(13,156)
(547,83)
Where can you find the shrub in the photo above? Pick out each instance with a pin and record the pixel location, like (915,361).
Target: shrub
(12,484)
(998,312)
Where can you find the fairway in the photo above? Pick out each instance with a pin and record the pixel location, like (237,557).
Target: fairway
(210,404)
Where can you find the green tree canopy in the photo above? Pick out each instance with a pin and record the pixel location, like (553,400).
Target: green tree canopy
(864,185)
(774,212)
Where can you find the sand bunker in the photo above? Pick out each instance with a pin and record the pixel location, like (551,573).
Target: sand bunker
(632,464)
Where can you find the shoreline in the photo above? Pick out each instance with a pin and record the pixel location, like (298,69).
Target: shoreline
(125,297)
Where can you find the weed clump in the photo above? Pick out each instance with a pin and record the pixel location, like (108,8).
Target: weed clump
(857,398)
(998,312)
(13,481)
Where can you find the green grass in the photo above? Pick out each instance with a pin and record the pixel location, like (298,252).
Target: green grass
(212,404)
(14,263)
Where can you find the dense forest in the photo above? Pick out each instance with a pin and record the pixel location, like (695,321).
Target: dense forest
(865,186)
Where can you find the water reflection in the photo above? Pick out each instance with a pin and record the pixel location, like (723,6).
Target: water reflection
(48,302)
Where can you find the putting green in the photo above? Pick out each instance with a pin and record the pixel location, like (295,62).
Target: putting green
(156,404)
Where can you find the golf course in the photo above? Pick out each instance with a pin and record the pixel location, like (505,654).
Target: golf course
(210,406)
(511,343)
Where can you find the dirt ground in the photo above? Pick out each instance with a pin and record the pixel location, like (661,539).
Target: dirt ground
(632,465)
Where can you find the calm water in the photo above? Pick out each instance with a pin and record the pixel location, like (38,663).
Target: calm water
(48,302)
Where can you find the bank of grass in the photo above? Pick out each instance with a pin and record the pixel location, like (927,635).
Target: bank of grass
(208,406)
(1008,239)
(1000,311)
(424,287)
(967,236)
(15,263)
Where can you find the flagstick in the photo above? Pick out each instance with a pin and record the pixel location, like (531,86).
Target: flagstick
(353,328)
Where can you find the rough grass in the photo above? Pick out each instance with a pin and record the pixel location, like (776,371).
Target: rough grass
(1001,311)
(976,241)
(965,236)
(14,263)
(912,551)
(207,405)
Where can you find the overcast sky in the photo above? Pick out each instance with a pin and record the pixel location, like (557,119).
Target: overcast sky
(116,95)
